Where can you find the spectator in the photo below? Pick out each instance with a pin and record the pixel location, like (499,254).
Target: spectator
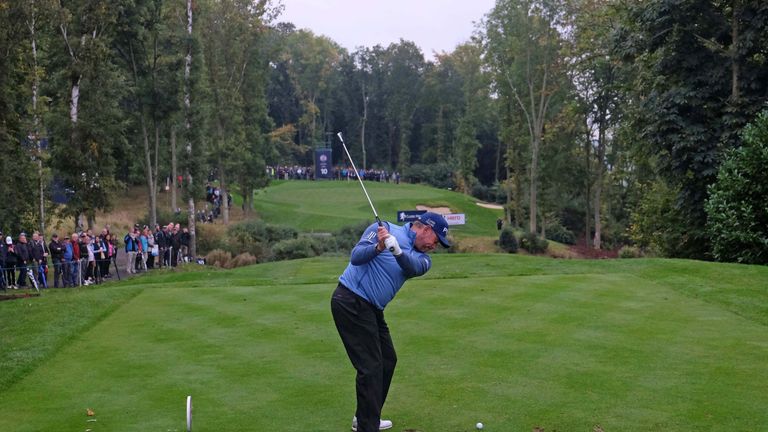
(67,263)
(175,243)
(11,259)
(102,260)
(40,259)
(57,259)
(151,249)
(109,244)
(3,254)
(93,249)
(144,247)
(74,265)
(185,239)
(131,249)
(24,259)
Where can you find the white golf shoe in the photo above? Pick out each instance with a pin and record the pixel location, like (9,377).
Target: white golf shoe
(383,424)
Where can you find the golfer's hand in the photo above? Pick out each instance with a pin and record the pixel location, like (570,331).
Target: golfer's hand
(381,235)
(391,243)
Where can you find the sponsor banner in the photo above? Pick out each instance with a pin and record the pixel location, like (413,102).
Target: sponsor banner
(409,215)
(323,163)
(455,219)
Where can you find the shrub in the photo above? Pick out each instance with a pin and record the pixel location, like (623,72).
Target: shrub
(276,233)
(346,238)
(164,217)
(255,238)
(737,214)
(218,258)
(302,247)
(533,243)
(629,252)
(507,240)
(560,234)
(242,260)
(210,237)
(439,175)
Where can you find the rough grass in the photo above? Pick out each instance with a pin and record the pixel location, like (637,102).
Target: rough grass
(516,342)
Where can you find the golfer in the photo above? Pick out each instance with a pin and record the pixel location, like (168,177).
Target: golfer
(379,264)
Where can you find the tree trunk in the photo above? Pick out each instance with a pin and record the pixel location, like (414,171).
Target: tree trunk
(36,117)
(188,127)
(150,180)
(362,131)
(597,242)
(734,51)
(173,170)
(533,203)
(588,192)
(224,194)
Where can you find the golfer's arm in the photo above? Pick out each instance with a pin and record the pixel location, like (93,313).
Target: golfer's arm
(363,253)
(365,250)
(414,264)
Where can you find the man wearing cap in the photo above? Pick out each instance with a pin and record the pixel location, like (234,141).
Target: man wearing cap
(384,258)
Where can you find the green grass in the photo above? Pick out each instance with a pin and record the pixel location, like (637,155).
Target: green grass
(513,341)
(330,205)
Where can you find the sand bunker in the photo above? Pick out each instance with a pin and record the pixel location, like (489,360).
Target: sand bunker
(438,210)
(490,206)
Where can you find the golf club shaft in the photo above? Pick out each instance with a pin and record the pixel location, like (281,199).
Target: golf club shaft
(357,174)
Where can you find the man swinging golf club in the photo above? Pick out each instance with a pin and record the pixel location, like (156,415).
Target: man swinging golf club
(384,258)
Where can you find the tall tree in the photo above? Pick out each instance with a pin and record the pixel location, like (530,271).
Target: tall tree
(16,186)
(150,52)
(87,120)
(594,72)
(232,29)
(403,86)
(702,77)
(524,46)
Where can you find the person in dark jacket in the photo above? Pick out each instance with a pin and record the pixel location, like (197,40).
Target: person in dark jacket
(40,259)
(57,259)
(68,258)
(185,238)
(3,253)
(175,244)
(24,259)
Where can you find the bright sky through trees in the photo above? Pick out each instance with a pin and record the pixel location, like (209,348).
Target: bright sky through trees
(434,25)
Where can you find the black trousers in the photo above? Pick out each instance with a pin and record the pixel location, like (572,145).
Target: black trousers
(369,346)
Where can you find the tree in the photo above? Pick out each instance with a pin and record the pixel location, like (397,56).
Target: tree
(595,73)
(523,47)
(16,186)
(700,78)
(86,120)
(403,84)
(737,208)
(232,31)
(150,51)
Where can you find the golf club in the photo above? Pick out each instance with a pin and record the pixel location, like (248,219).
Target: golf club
(357,174)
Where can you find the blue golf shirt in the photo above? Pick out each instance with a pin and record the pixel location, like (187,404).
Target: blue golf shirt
(378,276)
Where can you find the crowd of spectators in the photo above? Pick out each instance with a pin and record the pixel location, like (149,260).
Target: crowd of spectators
(84,258)
(296,172)
(165,246)
(213,201)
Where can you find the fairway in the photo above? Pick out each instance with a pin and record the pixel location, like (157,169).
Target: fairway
(514,342)
(331,205)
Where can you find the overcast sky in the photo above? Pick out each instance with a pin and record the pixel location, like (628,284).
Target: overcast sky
(434,25)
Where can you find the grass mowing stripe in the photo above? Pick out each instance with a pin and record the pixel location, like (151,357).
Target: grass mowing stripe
(34,329)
